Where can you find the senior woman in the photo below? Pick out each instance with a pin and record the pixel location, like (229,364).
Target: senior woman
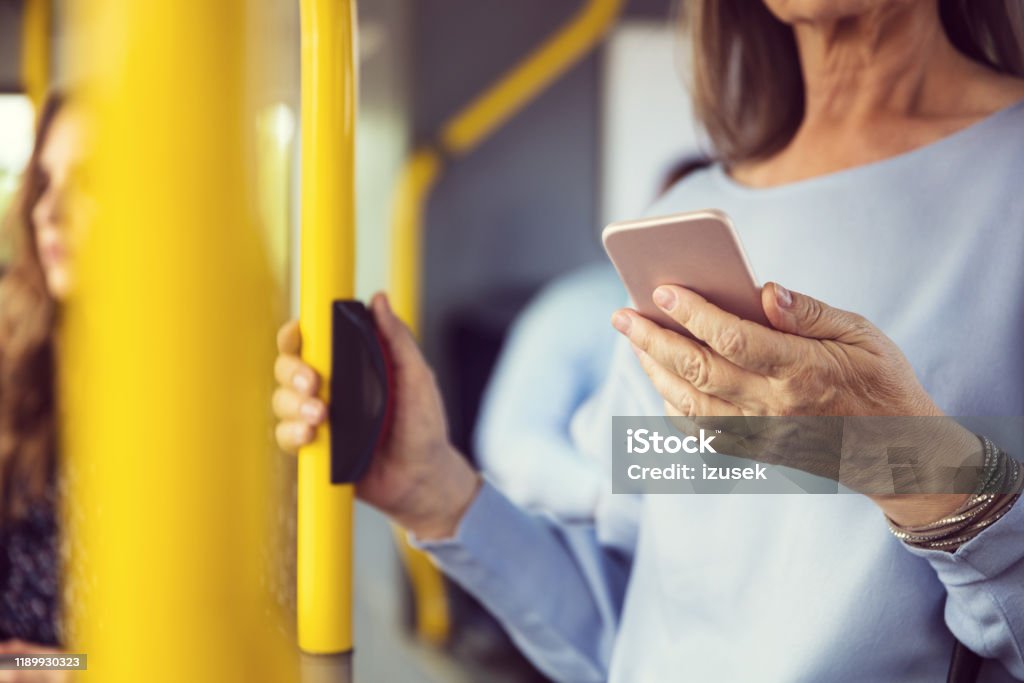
(871,153)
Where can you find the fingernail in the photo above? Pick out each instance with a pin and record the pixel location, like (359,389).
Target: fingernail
(312,410)
(782,297)
(301,382)
(665,297)
(621,322)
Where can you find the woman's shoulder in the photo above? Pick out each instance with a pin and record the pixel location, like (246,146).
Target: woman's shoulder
(688,190)
(993,91)
(993,102)
(1000,132)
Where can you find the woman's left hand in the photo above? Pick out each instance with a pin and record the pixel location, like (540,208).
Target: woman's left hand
(818,360)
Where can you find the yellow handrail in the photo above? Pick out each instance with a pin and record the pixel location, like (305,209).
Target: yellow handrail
(327,273)
(471,126)
(460,136)
(165,356)
(36,29)
(415,182)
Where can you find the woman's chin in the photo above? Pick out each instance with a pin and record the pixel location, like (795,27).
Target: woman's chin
(58,282)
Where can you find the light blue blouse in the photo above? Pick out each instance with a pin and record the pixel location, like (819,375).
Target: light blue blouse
(929,245)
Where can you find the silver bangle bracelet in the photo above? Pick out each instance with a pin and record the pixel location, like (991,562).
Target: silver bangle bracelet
(999,487)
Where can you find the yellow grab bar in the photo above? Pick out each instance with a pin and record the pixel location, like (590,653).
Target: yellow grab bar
(415,183)
(327,272)
(458,137)
(496,105)
(36,29)
(165,357)
(473,124)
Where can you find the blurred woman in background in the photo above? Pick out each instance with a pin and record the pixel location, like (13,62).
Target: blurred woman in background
(33,285)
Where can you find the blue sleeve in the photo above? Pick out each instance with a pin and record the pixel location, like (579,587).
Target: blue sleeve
(984,581)
(556,590)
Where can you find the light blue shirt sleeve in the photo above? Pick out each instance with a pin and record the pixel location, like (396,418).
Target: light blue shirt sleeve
(984,582)
(553,585)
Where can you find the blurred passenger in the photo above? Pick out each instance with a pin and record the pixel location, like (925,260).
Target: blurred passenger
(553,359)
(555,356)
(34,283)
(869,151)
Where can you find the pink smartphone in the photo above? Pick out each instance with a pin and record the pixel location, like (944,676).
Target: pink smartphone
(699,250)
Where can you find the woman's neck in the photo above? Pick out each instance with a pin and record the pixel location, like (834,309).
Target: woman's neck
(894,60)
(876,85)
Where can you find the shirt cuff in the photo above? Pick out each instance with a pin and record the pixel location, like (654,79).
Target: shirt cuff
(986,556)
(474,536)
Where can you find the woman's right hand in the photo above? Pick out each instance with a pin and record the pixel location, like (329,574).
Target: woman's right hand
(417,478)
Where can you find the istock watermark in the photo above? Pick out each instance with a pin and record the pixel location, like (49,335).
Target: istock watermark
(872,455)
(647,441)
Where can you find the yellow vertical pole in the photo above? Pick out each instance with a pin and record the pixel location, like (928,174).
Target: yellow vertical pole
(36,30)
(275,131)
(327,273)
(460,136)
(415,184)
(166,351)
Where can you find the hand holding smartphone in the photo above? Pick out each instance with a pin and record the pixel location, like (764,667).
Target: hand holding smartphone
(699,250)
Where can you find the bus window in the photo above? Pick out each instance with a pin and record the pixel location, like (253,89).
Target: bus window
(16,121)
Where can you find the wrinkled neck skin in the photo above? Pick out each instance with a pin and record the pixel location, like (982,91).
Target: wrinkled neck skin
(878,84)
(894,60)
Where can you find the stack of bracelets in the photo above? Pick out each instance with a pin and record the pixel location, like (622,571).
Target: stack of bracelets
(1001,482)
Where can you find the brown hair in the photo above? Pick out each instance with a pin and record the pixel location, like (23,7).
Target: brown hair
(747,86)
(27,374)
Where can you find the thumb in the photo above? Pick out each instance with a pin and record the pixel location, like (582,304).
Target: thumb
(405,353)
(805,316)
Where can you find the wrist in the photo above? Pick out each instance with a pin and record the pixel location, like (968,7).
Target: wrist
(442,500)
(918,509)
(946,446)
(998,488)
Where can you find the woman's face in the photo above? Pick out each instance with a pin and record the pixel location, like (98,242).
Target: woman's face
(55,224)
(792,11)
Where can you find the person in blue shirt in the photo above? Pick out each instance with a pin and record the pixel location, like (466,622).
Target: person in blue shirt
(870,152)
(555,356)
